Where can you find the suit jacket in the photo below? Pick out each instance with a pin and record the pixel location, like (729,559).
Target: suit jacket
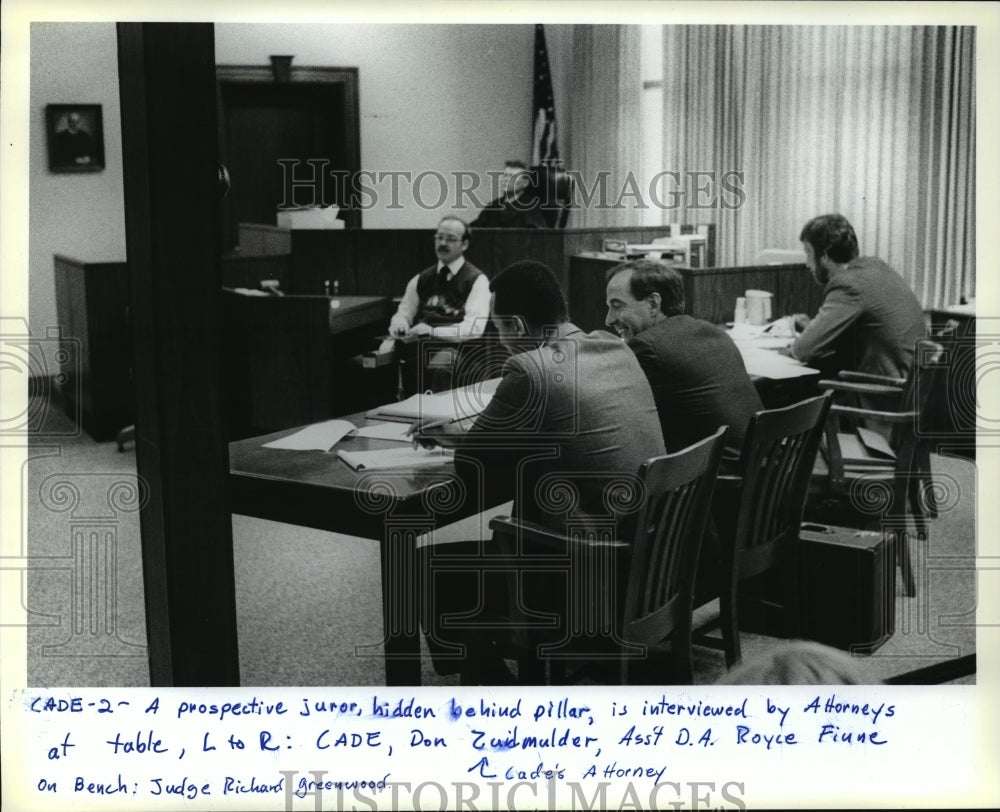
(869,318)
(569,419)
(699,381)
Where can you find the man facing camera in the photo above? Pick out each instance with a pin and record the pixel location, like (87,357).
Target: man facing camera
(869,320)
(572,416)
(696,372)
(516,207)
(450,300)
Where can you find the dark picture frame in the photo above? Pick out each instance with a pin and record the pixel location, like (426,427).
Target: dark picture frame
(75,134)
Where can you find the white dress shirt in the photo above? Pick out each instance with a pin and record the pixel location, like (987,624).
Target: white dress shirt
(477,307)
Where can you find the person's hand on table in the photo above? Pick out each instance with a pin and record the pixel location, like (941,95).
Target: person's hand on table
(420,329)
(800,321)
(430,433)
(398,327)
(786,351)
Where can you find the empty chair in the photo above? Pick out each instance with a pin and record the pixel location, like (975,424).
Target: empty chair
(759,513)
(877,479)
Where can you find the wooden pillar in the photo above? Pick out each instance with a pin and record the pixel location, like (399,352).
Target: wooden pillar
(170,154)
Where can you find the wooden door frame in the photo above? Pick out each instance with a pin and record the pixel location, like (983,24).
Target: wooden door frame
(351,129)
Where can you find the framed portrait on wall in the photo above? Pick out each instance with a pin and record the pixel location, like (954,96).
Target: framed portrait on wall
(75,137)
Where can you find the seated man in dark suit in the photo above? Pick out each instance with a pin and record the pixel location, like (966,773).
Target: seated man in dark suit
(870,320)
(449,301)
(573,412)
(516,207)
(696,372)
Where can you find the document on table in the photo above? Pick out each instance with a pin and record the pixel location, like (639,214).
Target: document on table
(317,437)
(396,458)
(454,404)
(770,364)
(385,431)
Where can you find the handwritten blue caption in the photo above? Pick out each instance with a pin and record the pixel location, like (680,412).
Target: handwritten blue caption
(141,745)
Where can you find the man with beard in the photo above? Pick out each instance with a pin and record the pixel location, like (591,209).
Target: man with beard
(450,301)
(869,320)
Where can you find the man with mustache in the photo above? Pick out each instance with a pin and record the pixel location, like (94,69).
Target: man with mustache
(450,300)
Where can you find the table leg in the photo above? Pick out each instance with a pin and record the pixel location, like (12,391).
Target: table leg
(401,595)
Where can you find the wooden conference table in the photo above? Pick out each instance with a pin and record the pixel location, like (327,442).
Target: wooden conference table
(317,489)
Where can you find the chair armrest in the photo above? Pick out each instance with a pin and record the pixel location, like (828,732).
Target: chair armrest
(859,388)
(728,482)
(888,417)
(536,533)
(868,377)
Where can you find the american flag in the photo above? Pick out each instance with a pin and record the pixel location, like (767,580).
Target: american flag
(543,139)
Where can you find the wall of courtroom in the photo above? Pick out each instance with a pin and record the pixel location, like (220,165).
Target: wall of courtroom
(433,98)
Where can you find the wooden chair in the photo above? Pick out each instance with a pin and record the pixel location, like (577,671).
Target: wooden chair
(758,515)
(873,480)
(660,565)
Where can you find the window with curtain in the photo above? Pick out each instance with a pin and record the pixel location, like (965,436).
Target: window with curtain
(874,122)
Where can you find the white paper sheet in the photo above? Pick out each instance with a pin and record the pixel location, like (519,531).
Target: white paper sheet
(385,431)
(318,437)
(396,458)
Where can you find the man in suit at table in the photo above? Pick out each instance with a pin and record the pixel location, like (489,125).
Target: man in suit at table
(573,416)
(516,207)
(870,320)
(696,372)
(449,302)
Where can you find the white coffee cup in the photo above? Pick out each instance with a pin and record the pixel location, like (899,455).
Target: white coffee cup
(758,307)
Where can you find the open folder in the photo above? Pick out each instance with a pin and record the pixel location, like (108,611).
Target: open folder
(396,458)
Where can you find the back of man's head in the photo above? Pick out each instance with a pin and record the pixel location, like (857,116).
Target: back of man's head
(651,276)
(530,290)
(831,235)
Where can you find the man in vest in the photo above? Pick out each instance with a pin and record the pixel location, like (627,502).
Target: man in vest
(449,301)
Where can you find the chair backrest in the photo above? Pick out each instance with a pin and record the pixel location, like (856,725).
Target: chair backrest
(776,463)
(553,187)
(922,396)
(678,490)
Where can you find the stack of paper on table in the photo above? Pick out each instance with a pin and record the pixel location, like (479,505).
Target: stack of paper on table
(324,436)
(454,404)
(770,364)
(396,458)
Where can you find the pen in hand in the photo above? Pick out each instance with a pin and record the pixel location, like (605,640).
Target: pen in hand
(418,432)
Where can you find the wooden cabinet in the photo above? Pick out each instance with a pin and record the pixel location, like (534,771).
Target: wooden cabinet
(287,359)
(92,304)
(709,293)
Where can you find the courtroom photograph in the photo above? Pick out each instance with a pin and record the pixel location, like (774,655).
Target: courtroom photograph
(499,354)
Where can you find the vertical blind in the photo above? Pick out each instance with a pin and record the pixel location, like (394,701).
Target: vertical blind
(874,122)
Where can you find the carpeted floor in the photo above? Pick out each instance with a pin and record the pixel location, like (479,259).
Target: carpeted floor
(308,602)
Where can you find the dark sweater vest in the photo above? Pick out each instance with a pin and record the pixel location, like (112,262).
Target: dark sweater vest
(444,302)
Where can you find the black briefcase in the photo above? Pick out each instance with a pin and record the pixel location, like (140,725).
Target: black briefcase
(848,587)
(847,590)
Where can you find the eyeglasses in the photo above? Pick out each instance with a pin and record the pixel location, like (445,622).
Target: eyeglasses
(448,238)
